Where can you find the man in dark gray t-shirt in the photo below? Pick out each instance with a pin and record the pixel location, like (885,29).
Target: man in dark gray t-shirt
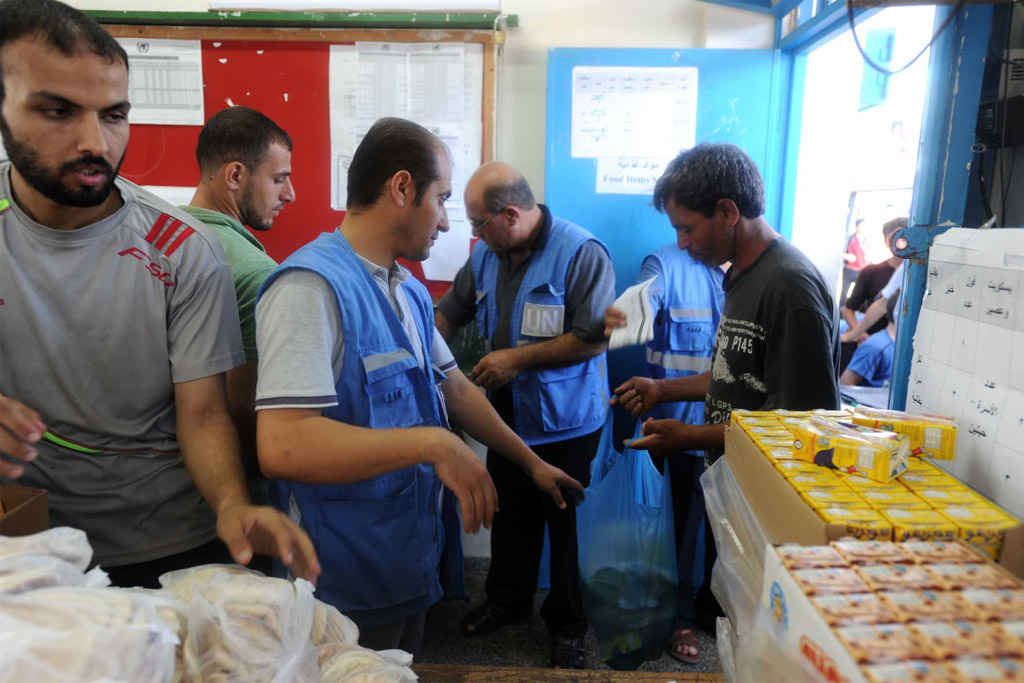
(117,324)
(777,344)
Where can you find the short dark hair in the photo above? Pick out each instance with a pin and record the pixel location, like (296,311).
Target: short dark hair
(700,176)
(858,221)
(62,27)
(237,134)
(890,227)
(515,193)
(392,145)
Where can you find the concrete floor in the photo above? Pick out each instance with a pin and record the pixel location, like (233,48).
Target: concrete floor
(526,644)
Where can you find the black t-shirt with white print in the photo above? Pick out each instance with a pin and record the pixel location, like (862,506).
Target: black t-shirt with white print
(778,340)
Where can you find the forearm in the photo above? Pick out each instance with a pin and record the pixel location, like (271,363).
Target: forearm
(566,349)
(210,450)
(705,437)
(684,389)
(875,312)
(470,409)
(302,445)
(849,316)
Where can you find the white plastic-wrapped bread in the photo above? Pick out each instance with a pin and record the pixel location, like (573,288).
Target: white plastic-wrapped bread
(245,627)
(83,634)
(331,626)
(20,573)
(174,614)
(70,545)
(349,663)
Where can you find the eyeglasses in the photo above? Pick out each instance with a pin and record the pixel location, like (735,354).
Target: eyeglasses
(478,225)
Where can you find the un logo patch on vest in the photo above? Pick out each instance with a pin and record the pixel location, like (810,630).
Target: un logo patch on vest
(543,321)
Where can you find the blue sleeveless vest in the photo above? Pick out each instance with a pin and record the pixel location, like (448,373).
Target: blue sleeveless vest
(684,334)
(558,403)
(379,541)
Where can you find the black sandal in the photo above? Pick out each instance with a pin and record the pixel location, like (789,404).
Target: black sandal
(567,653)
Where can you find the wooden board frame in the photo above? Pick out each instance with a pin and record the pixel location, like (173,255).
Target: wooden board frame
(337,35)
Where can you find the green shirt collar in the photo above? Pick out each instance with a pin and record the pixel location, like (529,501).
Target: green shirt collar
(216,218)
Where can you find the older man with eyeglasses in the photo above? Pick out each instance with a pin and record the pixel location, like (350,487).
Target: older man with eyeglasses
(537,287)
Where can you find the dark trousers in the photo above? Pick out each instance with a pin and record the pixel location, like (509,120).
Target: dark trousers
(688,513)
(517,535)
(404,634)
(146,574)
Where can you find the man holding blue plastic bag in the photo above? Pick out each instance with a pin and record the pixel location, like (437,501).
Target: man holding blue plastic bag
(777,344)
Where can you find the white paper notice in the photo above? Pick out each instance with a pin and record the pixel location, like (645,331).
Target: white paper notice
(633,112)
(628,175)
(969,356)
(639,328)
(165,81)
(438,85)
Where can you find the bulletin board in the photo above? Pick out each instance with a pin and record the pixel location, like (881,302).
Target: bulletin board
(284,73)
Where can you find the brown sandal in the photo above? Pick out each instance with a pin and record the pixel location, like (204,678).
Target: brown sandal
(683,639)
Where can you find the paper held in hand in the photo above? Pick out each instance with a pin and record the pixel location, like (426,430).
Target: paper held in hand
(639,328)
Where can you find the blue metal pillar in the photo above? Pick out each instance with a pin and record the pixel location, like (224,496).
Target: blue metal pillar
(955,69)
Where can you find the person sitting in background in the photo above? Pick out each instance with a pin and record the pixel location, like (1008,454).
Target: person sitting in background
(854,259)
(871,364)
(244,180)
(870,283)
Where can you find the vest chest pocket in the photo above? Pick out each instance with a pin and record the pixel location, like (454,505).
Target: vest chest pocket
(543,312)
(690,333)
(565,399)
(389,388)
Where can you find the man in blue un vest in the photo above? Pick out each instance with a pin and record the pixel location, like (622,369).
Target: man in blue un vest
(355,389)
(687,298)
(537,287)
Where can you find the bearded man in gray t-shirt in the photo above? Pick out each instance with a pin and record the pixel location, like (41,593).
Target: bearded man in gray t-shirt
(117,323)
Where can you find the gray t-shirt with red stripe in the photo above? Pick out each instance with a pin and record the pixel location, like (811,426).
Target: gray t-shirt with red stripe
(96,327)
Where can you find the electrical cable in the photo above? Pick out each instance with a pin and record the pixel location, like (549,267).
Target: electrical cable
(882,69)
(979,155)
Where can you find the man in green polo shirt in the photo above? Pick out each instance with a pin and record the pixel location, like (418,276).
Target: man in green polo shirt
(245,168)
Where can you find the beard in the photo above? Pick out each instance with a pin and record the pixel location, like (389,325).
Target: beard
(250,215)
(47,181)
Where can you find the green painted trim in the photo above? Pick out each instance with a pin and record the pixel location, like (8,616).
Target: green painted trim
(414,20)
(67,444)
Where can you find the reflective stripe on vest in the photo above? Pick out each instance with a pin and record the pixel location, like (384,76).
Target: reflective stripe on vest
(671,361)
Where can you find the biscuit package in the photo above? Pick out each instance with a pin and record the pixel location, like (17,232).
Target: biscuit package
(866,525)
(925,605)
(854,608)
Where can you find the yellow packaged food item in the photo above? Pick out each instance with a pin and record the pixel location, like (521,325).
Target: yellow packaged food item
(853,608)
(922,466)
(949,496)
(809,480)
(791,468)
(774,442)
(931,436)
(820,497)
(872,453)
(866,525)
(878,497)
(983,526)
(916,480)
(857,482)
(920,524)
(908,504)
(758,431)
(780,454)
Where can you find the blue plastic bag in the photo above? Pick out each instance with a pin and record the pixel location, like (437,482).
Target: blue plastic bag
(627,556)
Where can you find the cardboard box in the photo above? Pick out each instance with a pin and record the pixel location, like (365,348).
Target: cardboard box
(789,519)
(25,511)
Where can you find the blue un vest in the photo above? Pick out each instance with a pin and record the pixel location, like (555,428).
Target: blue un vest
(684,332)
(379,540)
(551,404)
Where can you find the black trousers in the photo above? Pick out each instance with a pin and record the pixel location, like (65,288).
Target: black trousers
(517,535)
(146,574)
(688,514)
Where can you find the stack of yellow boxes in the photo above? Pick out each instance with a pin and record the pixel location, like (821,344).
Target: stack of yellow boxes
(922,503)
